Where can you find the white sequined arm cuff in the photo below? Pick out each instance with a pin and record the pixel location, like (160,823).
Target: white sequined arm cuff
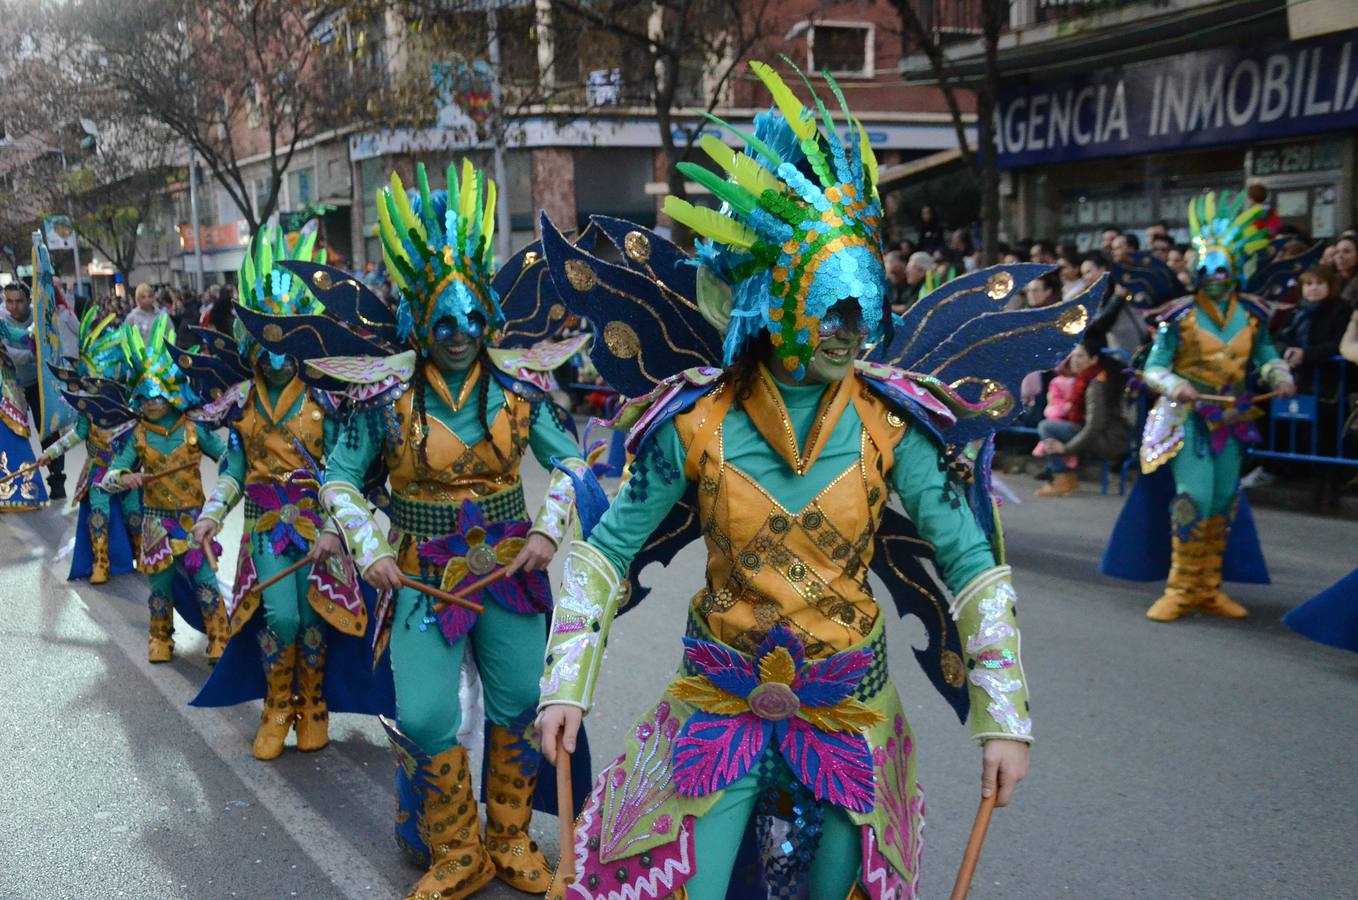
(224,498)
(1164,381)
(589,598)
(346,504)
(69,438)
(984,612)
(556,520)
(1276,372)
(112,482)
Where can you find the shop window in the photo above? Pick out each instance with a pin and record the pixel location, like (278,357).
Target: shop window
(844,49)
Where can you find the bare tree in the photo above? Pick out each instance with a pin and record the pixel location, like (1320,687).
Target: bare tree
(922,33)
(236,82)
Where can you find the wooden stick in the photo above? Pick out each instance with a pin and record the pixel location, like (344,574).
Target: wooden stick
(283,574)
(973,854)
(444,596)
(565,803)
(20,472)
(1226,398)
(475,586)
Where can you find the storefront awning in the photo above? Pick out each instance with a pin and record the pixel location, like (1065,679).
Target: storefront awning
(891,178)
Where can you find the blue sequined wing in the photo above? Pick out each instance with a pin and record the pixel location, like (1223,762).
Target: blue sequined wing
(533,310)
(103,409)
(899,560)
(1271,278)
(215,367)
(939,314)
(347,300)
(646,331)
(308,336)
(993,352)
(1148,280)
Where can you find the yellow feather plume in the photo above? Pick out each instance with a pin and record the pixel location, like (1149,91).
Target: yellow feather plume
(746,171)
(488,221)
(408,218)
(803,125)
(709,223)
(865,153)
(466,206)
(386,231)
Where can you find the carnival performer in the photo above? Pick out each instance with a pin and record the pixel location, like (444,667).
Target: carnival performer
(453,430)
(783,459)
(1200,363)
(280,433)
(168,445)
(21,486)
(107,534)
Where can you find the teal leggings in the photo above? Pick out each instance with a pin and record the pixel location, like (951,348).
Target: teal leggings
(286,607)
(509,650)
(204,579)
(718,833)
(1211,480)
(100,502)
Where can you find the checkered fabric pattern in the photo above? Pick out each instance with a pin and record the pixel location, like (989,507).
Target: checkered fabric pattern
(418,517)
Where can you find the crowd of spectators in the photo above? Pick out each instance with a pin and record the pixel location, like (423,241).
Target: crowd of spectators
(1080,410)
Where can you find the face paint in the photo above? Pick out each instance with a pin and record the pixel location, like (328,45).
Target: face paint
(1217,285)
(155,408)
(278,370)
(454,349)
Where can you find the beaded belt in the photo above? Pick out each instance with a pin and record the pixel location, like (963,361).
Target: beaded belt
(435,519)
(253,510)
(160,512)
(872,684)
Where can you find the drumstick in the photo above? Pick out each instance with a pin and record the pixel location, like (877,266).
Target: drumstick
(973,853)
(283,574)
(565,802)
(476,586)
(210,556)
(444,596)
(20,472)
(1226,398)
(178,468)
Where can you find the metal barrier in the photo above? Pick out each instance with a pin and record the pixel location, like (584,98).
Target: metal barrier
(1310,427)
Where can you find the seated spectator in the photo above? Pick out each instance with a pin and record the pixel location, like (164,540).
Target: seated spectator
(1348,344)
(1161,245)
(1124,327)
(1177,260)
(1083,416)
(1042,291)
(1124,245)
(1042,252)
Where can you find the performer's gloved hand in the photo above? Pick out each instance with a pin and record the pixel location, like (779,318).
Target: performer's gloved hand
(384,575)
(562,721)
(1184,393)
(203,532)
(537,552)
(324,547)
(1003,765)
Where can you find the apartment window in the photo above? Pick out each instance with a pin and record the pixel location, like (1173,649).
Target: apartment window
(844,49)
(301,189)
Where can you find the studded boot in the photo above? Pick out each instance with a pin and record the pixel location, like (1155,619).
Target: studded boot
(279,661)
(1183,589)
(214,622)
(160,644)
(99,567)
(460,865)
(313,717)
(512,775)
(1212,599)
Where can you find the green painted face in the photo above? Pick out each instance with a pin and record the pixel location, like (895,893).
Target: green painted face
(155,408)
(1217,285)
(280,376)
(456,352)
(834,358)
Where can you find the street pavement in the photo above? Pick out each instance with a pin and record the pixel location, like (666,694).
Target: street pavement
(1202,759)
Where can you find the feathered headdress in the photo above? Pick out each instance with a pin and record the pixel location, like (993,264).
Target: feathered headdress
(102,347)
(1226,235)
(799,227)
(268,289)
(438,249)
(154,370)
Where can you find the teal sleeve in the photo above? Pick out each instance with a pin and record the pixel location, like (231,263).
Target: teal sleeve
(548,438)
(1162,350)
(355,447)
(126,456)
(329,434)
(233,464)
(82,428)
(919,476)
(1263,351)
(656,484)
(209,443)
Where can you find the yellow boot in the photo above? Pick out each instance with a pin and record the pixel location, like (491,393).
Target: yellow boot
(459,864)
(313,716)
(276,719)
(160,644)
(214,621)
(509,807)
(1212,599)
(1063,484)
(1183,589)
(133,522)
(99,548)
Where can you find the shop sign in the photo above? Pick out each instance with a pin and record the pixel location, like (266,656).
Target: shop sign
(1225,95)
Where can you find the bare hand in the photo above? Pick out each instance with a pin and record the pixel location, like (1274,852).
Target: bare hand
(558,721)
(43,461)
(1055,446)
(1293,356)
(384,575)
(1184,393)
(1004,764)
(134,480)
(324,547)
(204,530)
(1286,389)
(537,552)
